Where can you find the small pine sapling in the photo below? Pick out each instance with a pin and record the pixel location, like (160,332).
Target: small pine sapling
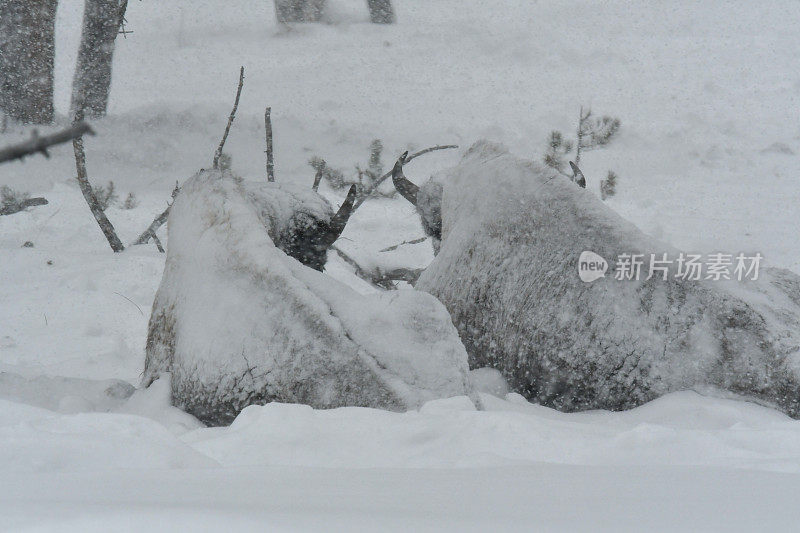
(106,195)
(557,150)
(608,186)
(131,202)
(592,133)
(10,197)
(375,167)
(334,177)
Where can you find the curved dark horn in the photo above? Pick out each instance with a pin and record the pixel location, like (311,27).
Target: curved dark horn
(577,175)
(339,220)
(406,189)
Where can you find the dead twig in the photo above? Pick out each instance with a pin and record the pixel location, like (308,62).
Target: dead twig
(268,128)
(131,301)
(396,246)
(409,275)
(39,145)
(369,190)
(231,117)
(361,272)
(88,194)
(150,232)
(377,278)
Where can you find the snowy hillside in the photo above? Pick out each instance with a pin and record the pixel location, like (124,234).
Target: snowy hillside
(707,94)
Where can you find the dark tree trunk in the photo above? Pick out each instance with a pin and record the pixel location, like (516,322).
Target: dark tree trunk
(299,10)
(92,81)
(381,11)
(27,50)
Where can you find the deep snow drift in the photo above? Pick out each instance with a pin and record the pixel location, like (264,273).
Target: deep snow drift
(707,158)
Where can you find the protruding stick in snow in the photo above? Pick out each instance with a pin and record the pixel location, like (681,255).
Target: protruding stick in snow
(268,128)
(86,188)
(231,117)
(150,232)
(318,176)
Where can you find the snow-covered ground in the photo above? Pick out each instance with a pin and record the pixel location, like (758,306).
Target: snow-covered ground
(707,158)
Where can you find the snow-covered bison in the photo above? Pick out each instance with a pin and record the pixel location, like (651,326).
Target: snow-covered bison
(507,270)
(238,321)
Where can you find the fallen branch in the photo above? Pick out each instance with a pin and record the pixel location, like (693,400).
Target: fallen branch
(377,278)
(409,275)
(150,232)
(231,117)
(16,207)
(268,128)
(88,194)
(361,272)
(396,246)
(39,145)
(369,190)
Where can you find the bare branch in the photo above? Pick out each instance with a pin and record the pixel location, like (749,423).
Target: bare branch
(409,275)
(396,246)
(88,194)
(359,271)
(39,145)
(428,150)
(368,191)
(150,232)
(377,278)
(232,116)
(268,128)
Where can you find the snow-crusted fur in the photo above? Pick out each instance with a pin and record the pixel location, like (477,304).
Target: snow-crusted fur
(507,272)
(237,322)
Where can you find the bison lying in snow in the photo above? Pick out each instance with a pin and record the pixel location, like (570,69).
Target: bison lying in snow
(511,235)
(237,320)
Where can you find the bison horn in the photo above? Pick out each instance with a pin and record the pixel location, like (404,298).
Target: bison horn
(339,220)
(577,175)
(406,189)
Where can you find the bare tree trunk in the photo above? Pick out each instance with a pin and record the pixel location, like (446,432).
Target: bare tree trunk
(299,10)
(27,50)
(92,81)
(381,11)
